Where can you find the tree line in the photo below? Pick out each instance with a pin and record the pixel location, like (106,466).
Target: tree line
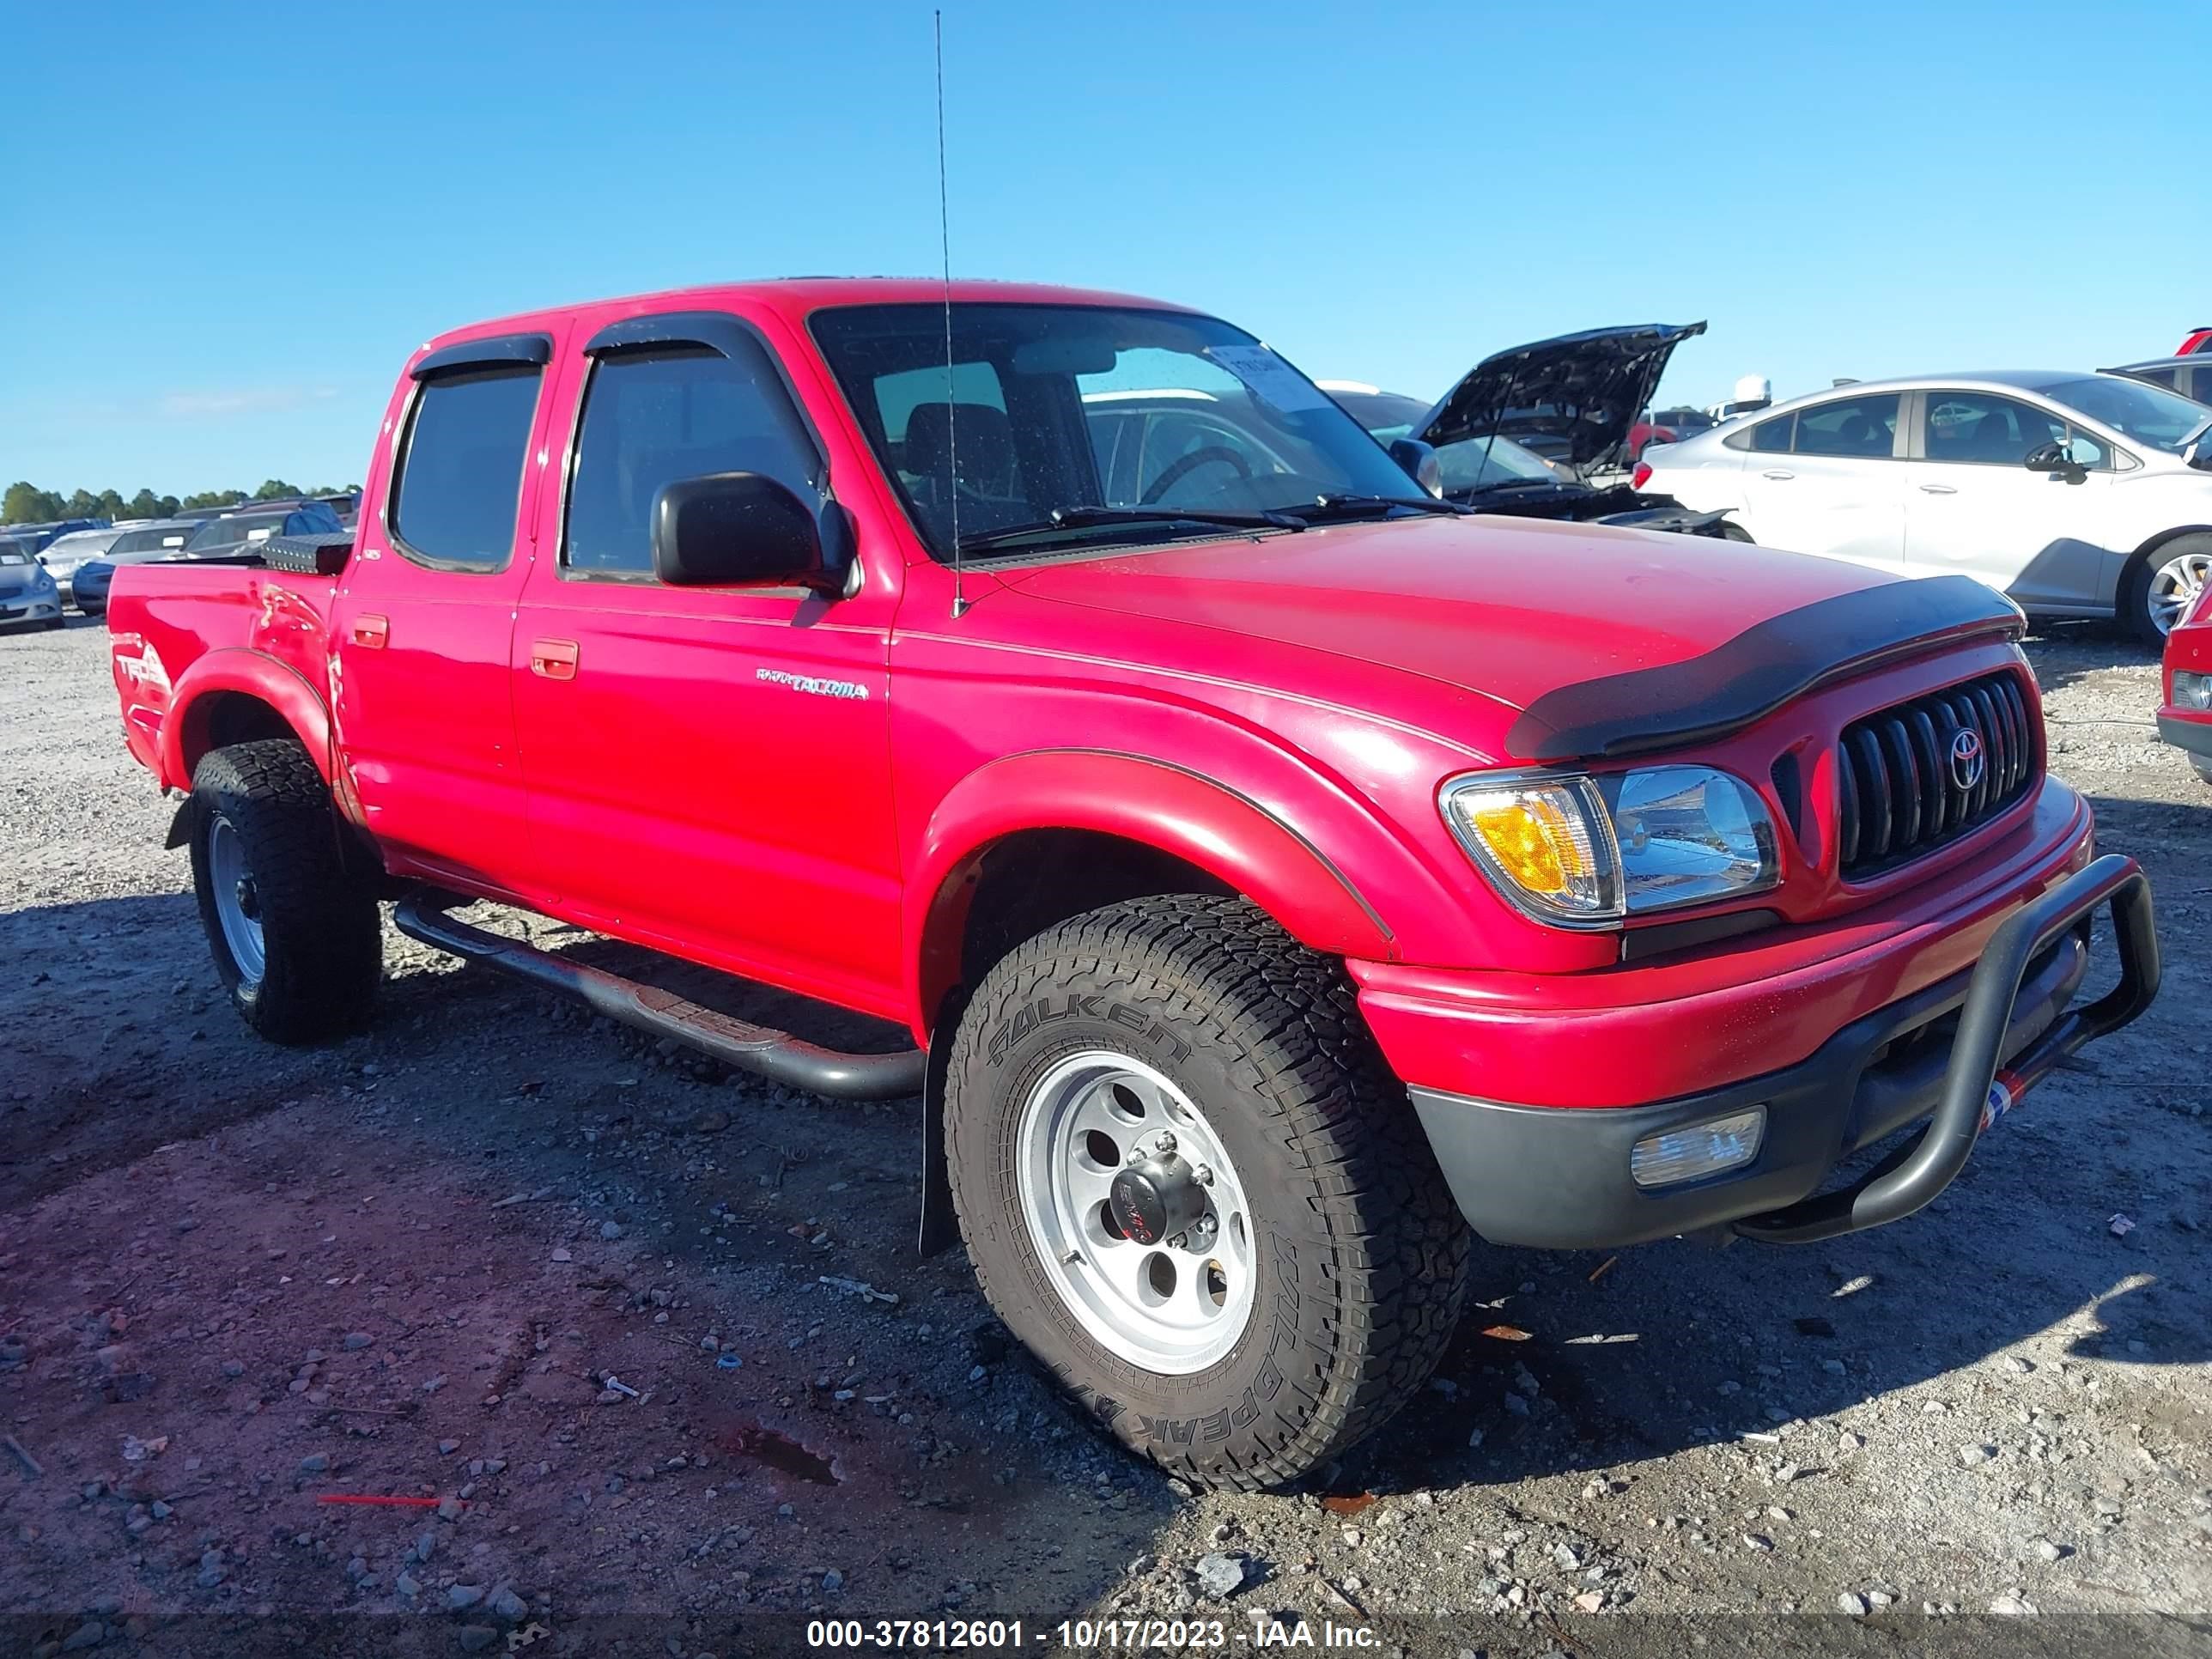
(26,503)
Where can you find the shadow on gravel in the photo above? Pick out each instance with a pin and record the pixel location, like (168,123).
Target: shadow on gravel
(1618,1373)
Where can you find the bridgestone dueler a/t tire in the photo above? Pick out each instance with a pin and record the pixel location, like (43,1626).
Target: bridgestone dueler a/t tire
(320,929)
(1361,1256)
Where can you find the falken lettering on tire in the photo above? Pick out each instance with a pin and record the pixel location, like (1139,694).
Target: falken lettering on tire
(1042,1013)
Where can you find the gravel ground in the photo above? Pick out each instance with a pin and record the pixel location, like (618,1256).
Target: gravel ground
(237,1281)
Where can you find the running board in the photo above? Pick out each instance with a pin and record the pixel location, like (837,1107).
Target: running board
(774,1054)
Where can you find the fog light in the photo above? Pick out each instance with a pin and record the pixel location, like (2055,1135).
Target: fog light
(2191,690)
(1698,1149)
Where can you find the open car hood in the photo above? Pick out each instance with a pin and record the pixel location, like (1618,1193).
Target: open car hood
(1573,399)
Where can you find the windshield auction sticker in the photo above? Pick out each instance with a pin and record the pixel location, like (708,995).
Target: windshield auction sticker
(1269,378)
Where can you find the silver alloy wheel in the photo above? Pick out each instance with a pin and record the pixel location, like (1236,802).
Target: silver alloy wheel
(1175,1305)
(237,901)
(2175,587)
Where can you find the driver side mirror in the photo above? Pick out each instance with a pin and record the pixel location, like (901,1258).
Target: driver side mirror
(1420,461)
(736,529)
(2052,458)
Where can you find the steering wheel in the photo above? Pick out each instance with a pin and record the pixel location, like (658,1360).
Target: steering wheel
(1183,465)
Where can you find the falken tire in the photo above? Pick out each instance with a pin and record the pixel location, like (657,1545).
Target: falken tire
(262,809)
(1358,1254)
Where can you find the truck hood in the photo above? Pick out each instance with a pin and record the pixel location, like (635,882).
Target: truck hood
(1510,609)
(1571,398)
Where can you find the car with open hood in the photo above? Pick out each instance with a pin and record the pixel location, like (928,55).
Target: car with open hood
(1265,877)
(1545,430)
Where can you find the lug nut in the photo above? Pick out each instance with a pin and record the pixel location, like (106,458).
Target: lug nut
(1204,1175)
(1166,1142)
(1180,1241)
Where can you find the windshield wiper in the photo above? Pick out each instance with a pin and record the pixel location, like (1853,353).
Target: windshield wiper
(1085,518)
(1351,505)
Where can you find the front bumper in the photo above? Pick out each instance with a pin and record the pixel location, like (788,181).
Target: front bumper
(1964,1050)
(31,610)
(2191,734)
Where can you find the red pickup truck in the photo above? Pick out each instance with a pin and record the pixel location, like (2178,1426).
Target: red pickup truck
(1284,877)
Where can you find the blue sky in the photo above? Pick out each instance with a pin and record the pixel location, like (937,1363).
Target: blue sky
(233,222)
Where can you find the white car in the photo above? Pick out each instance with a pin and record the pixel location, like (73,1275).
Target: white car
(2079,495)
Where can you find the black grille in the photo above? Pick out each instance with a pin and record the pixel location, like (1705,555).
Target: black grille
(1897,787)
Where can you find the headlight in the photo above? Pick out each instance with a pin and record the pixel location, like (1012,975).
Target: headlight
(42,578)
(2191,690)
(1584,852)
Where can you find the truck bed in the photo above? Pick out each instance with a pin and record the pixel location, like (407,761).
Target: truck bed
(165,620)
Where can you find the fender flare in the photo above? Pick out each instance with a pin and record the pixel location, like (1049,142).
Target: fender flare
(1205,822)
(252,673)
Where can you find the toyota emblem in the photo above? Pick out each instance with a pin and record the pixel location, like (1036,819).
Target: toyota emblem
(1966,759)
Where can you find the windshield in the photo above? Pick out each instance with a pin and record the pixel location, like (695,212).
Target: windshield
(141,541)
(2148,414)
(1470,464)
(218,533)
(1474,463)
(1050,410)
(1386,415)
(15,553)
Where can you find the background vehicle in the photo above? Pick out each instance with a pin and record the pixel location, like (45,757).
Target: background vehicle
(65,553)
(2190,375)
(245,527)
(28,597)
(1280,873)
(1667,426)
(2078,494)
(1542,430)
(2184,719)
(41,536)
(1752,392)
(2196,340)
(164,538)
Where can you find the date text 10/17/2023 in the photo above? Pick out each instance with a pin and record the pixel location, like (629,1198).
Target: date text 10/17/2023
(1084,1635)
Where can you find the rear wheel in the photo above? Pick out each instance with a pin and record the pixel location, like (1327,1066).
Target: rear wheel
(1192,1187)
(297,936)
(2163,587)
(1732,531)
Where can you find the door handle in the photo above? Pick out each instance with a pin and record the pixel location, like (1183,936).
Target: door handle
(1937,489)
(372,633)
(554,660)
(1776,474)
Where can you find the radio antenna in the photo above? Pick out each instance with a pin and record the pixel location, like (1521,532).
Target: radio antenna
(952,403)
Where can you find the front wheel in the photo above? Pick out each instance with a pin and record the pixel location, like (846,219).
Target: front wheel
(297,938)
(1193,1188)
(2163,587)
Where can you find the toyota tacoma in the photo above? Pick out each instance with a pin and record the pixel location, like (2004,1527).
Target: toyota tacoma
(1281,877)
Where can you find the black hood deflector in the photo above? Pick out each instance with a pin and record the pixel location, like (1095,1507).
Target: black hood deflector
(1577,395)
(1750,676)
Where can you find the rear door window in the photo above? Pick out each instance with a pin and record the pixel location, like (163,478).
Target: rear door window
(1768,437)
(459,471)
(1864,428)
